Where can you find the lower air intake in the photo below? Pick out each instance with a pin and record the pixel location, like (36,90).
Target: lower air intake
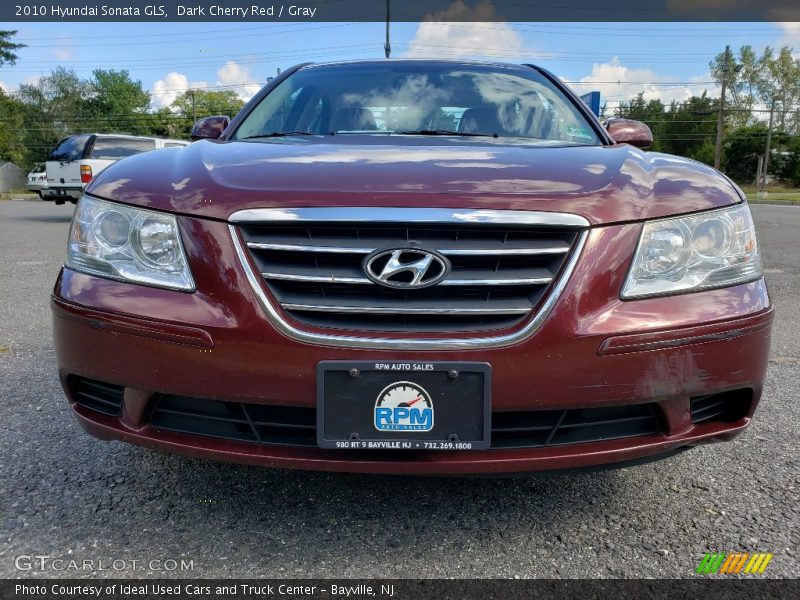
(98,396)
(725,407)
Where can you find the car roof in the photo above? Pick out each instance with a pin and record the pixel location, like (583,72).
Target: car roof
(413,61)
(128,136)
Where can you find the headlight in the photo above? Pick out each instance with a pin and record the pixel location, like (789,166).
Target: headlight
(707,250)
(130,244)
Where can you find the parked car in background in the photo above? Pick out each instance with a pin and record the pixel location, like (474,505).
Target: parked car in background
(37,181)
(76,160)
(421,267)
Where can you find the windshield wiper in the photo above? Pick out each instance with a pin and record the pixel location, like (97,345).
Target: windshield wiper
(275,134)
(444,132)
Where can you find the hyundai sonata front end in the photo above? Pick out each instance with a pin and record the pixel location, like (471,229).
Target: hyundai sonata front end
(413,267)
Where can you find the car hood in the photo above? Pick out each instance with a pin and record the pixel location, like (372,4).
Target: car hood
(604,184)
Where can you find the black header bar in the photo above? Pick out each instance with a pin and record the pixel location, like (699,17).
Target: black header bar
(397,589)
(401,10)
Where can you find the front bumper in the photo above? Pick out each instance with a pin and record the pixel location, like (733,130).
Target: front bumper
(592,351)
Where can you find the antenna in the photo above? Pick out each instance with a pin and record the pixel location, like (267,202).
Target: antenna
(387,47)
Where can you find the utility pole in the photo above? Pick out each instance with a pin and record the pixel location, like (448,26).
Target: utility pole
(769,142)
(194,112)
(387,47)
(721,115)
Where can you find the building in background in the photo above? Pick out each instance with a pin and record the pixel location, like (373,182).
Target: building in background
(12,178)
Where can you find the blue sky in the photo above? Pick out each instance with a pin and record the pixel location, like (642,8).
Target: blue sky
(666,60)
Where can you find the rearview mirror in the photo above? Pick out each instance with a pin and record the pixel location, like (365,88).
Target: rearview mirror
(627,131)
(210,128)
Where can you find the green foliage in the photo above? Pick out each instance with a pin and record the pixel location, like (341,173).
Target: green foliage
(205,103)
(745,145)
(194,105)
(792,171)
(8,55)
(11,124)
(62,104)
(754,81)
(687,128)
(117,103)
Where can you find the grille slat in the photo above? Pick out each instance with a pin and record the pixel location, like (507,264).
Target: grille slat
(464,248)
(297,425)
(572,426)
(410,307)
(288,426)
(354,276)
(500,273)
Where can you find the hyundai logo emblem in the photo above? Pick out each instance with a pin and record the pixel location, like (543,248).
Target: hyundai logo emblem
(406,268)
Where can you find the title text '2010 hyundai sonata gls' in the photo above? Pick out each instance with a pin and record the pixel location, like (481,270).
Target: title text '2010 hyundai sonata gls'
(413,267)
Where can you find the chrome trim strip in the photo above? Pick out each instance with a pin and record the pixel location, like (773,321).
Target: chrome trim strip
(502,252)
(306,248)
(317,278)
(409,215)
(387,343)
(448,251)
(365,281)
(529,281)
(390,310)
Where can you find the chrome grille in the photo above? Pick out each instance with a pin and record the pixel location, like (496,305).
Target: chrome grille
(502,267)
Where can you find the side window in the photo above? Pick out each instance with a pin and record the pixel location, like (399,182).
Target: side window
(279,120)
(173,145)
(109,148)
(272,114)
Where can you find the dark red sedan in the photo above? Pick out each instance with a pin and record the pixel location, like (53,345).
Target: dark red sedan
(413,267)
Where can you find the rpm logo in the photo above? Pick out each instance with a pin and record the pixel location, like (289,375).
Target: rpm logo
(404,406)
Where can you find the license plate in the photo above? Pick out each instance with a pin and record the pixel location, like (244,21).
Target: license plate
(400,405)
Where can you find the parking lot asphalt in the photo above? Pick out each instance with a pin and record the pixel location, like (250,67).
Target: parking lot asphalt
(66,495)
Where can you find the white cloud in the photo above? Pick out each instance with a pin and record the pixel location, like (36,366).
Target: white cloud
(618,83)
(478,33)
(63,53)
(239,77)
(791,36)
(165,91)
(230,76)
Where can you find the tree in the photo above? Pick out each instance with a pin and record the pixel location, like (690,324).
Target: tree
(204,103)
(8,48)
(650,112)
(791,170)
(165,123)
(744,78)
(12,116)
(783,84)
(54,107)
(742,149)
(117,104)
(753,81)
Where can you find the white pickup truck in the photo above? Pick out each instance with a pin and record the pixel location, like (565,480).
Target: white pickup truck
(77,159)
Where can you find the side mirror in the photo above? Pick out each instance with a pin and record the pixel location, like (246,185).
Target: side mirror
(210,128)
(627,131)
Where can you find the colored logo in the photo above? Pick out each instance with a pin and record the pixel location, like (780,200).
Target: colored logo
(734,563)
(404,406)
(406,268)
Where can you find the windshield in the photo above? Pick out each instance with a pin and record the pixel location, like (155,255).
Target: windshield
(413,98)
